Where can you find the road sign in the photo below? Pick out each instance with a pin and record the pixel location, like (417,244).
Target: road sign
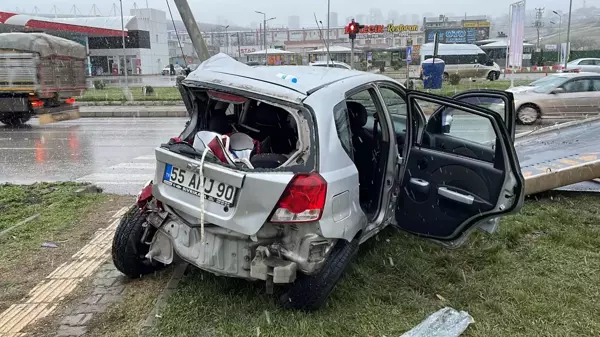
(409,54)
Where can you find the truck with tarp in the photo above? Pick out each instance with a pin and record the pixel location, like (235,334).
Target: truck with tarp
(40,74)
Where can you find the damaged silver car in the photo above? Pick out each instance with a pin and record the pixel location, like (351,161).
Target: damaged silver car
(281,180)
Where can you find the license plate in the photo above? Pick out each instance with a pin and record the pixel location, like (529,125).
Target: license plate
(189,182)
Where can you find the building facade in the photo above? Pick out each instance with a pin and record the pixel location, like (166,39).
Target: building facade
(301,41)
(146,46)
(461,29)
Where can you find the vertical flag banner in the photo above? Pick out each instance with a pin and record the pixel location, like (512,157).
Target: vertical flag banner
(517,32)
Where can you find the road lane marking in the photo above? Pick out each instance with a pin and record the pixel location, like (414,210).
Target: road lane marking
(140,166)
(116,177)
(148,157)
(46,296)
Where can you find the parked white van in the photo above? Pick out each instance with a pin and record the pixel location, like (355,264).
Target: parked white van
(466,60)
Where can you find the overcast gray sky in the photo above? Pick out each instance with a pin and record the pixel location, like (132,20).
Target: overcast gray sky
(242,11)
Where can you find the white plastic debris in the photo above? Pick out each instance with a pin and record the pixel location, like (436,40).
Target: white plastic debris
(446,322)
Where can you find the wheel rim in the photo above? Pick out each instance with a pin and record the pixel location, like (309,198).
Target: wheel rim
(528,115)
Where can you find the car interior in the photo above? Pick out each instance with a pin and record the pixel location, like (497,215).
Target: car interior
(272,128)
(369,151)
(449,178)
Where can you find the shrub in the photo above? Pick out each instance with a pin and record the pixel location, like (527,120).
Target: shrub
(454,79)
(99,85)
(148,90)
(396,67)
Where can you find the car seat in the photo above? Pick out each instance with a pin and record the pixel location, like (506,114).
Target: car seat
(273,123)
(363,144)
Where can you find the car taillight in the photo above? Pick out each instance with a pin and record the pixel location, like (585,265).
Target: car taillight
(70,100)
(303,199)
(37,104)
(144,195)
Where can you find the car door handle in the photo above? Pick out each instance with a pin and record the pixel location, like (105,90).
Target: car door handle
(458,197)
(420,185)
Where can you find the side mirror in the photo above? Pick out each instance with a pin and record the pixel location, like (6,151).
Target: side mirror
(557,91)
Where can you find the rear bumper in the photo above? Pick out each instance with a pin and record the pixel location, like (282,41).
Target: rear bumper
(274,252)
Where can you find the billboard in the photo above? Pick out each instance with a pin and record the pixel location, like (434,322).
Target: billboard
(515,37)
(458,35)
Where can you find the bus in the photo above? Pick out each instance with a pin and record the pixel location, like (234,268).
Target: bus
(466,60)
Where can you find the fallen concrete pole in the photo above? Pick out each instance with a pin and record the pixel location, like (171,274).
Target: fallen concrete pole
(562,177)
(560,155)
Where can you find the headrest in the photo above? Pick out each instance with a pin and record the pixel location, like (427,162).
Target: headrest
(357,113)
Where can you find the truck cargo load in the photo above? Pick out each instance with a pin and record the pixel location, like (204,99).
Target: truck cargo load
(39,75)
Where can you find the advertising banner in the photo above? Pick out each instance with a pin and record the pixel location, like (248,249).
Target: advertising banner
(458,35)
(517,30)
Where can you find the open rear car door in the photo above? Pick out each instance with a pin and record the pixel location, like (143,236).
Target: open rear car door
(462,175)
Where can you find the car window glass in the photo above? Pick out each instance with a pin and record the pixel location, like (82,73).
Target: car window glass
(396,106)
(460,132)
(586,63)
(365,99)
(342,126)
(596,84)
(577,85)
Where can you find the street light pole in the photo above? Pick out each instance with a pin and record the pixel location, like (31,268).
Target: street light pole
(559,47)
(226,39)
(123,41)
(328,19)
(265,35)
(568,35)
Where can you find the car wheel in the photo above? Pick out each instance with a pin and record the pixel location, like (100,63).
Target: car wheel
(528,114)
(492,76)
(128,250)
(309,292)
(445,77)
(15,121)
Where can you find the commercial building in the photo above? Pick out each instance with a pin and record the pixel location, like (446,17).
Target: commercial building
(146,44)
(460,29)
(302,41)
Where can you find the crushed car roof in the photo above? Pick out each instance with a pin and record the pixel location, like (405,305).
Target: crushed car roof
(309,79)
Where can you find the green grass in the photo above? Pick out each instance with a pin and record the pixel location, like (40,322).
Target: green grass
(539,276)
(117,94)
(172,93)
(57,204)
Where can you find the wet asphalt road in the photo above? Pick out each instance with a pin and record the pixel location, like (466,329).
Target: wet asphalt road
(117,154)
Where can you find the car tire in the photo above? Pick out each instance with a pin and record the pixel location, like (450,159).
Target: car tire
(445,77)
(528,114)
(15,121)
(128,250)
(493,75)
(309,292)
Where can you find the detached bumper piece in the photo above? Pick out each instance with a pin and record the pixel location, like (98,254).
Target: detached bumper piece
(265,267)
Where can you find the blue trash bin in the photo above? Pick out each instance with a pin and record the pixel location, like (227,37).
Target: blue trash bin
(433,73)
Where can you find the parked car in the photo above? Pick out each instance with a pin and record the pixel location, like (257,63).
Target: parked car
(299,187)
(534,84)
(167,70)
(584,64)
(560,96)
(332,64)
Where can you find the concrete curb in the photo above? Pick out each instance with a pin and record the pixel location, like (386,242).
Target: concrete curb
(130,103)
(90,113)
(552,128)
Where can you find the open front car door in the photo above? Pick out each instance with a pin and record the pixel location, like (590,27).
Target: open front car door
(459,176)
(500,101)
